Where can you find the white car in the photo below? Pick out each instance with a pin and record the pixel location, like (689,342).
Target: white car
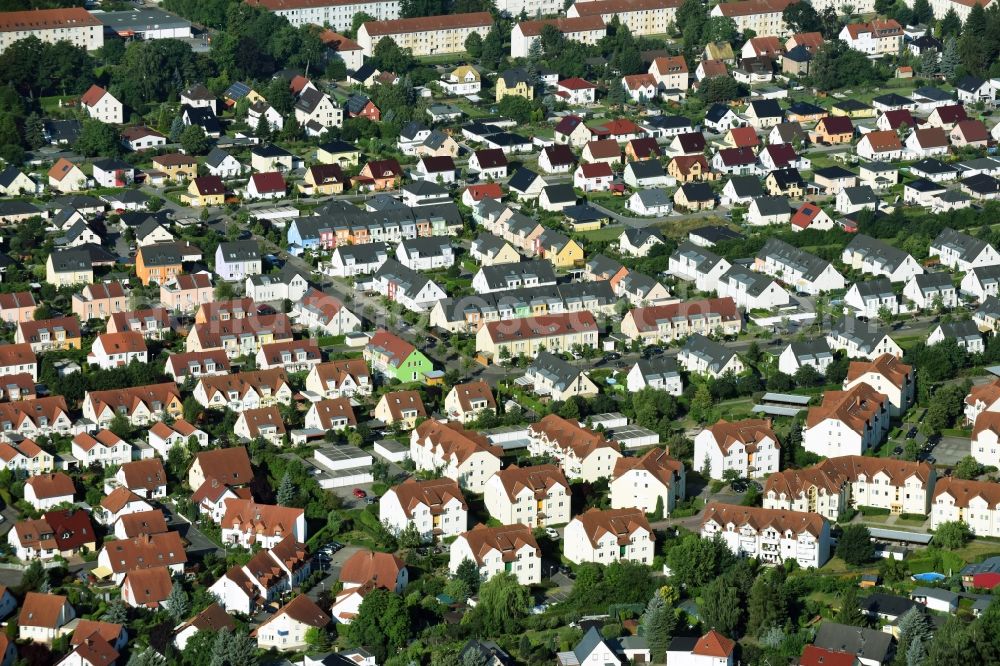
(551,533)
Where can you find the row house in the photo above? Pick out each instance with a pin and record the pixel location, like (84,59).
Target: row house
(770,535)
(467,402)
(962,252)
(875,257)
(797,268)
(121,503)
(697,264)
(100,300)
(400,408)
(17,306)
(932,290)
(197,364)
(35,417)
(749,447)
(414,291)
(536,496)
(104,448)
(244,390)
(290,356)
(859,339)
(151,323)
(666,323)
(21,454)
(505,340)
(331,414)
(345,378)
(703,356)
(507,548)
(247,523)
(239,337)
(985,445)
(982,282)
(451,450)
(867,299)
(549,375)
(881,37)
(582,453)
(319,311)
(436,508)
(57,533)
(147,551)
(146,478)
(18,359)
(265,578)
(48,491)
(140,405)
(163,437)
(982,398)
(56,334)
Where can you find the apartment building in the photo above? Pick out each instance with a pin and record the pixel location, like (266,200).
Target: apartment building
(430,35)
(335,14)
(762,17)
(507,548)
(582,453)
(456,453)
(879,38)
(72,24)
(436,508)
(642,17)
(610,535)
(536,496)
(749,447)
(888,375)
(650,482)
(847,422)
(588,29)
(771,535)
(509,339)
(975,503)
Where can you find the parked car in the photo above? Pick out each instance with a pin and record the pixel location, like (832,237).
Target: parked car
(551,533)
(360,494)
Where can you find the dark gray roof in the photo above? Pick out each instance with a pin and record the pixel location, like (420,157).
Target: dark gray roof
(247,250)
(560,193)
(411,129)
(967,247)
(409,281)
(766,108)
(716,234)
(865,643)
(877,251)
(557,371)
(309,100)
(878,288)
(658,367)
(934,166)
(866,335)
(511,77)
(522,179)
(73,259)
(861,194)
(808,264)
(772,205)
(886,604)
(654,198)
(588,644)
(15,207)
(834,172)
(961,330)
(935,281)
(806,351)
(705,259)
(502,275)
(365,253)
(216,157)
(650,168)
(715,355)
(754,283)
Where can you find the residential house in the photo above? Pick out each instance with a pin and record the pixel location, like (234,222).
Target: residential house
(611,535)
(436,508)
(770,535)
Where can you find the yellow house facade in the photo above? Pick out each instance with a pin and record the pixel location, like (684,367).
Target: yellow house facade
(340,153)
(560,250)
(514,82)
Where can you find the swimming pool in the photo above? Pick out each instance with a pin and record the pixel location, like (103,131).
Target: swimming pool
(929,577)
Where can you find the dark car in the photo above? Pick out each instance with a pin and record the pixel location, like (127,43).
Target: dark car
(739,486)
(912,433)
(612,356)
(897,451)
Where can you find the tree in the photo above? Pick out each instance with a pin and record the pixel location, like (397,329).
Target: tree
(409,537)
(701,404)
(358,19)
(836,65)
(474,45)
(382,624)
(968,468)
(177,603)
(952,535)
(916,654)
(950,58)
(503,603)
(885,314)
(973,44)
(318,639)
(720,89)
(176,129)
(194,141)
(951,24)
(929,63)
(474,657)
(468,572)
(694,562)
(914,625)
(922,12)
(516,108)
(34,132)
(389,57)
(120,426)
(97,140)
(802,17)
(657,625)
(279,95)
(720,29)
(767,602)
(493,51)
(855,545)
(116,613)
(286,491)
(721,609)
(850,609)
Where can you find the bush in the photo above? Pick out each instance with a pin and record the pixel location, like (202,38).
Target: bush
(873,511)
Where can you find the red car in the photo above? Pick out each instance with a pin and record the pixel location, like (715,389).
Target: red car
(360,494)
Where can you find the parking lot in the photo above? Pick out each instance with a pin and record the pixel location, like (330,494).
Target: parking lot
(950,450)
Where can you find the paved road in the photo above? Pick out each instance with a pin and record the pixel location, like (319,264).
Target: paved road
(333,571)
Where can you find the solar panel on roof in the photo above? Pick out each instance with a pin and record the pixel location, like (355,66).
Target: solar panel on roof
(238,90)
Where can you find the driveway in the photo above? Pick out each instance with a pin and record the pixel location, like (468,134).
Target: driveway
(332,570)
(562,592)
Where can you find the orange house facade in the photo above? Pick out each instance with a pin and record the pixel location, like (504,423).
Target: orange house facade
(152,266)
